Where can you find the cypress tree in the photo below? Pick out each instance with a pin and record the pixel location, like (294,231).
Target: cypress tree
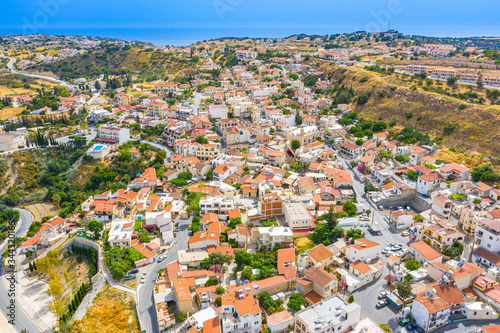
(30,267)
(34,266)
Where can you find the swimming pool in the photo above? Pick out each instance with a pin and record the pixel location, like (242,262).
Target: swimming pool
(98,148)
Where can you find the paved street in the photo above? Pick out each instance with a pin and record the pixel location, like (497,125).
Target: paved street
(145,304)
(22,320)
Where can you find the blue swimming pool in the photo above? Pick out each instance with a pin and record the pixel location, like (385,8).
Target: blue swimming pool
(98,148)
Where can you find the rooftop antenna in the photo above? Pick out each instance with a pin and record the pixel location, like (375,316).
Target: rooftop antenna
(389,26)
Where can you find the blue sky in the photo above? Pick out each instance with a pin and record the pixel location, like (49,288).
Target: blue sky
(157,20)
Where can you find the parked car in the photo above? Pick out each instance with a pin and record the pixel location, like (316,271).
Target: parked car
(396,247)
(411,327)
(405,234)
(382,295)
(418,330)
(364,217)
(381,304)
(143,278)
(403,322)
(161,258)
(380,208)
(134,271)
(389,253)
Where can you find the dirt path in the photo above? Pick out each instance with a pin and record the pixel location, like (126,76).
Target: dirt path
(12,178)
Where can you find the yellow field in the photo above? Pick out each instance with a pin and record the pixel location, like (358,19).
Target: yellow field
(303,244)
(10,112)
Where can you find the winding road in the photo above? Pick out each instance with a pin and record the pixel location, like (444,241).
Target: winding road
(14,70)
(22,320)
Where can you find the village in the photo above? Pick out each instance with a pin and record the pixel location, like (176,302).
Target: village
(271,206)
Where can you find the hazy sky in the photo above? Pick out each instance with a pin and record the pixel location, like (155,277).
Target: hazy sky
(272,18)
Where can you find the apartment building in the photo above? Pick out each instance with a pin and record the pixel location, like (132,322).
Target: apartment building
(218,205)
(271,206)
(208,151)
(165,88)
(270,236)
(468,77)
(218,111)
(245,55)
(297,216)
(416,69)
(113,134)
(440,236)
(442,74)
(491,80)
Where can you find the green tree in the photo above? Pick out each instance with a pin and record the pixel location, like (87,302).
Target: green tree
(212,281)
(404,289)
(412,265)
(295,301)
(321,233)
(351,299)
(295,144)
(242,258)
(201,139)
(350,208)
(96,227)
(338,232)
(266,301)
(220,290)
(144,236)
(354,234)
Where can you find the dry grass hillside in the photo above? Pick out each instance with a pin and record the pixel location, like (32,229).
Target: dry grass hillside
(116,61)
(111,312)
(427,112)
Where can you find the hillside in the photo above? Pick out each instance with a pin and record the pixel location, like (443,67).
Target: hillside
(391,99)
(116,61)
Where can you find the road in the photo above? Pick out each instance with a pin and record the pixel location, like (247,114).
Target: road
(367,295)
(13,69)
(22,320)
(196,105)
(145,305)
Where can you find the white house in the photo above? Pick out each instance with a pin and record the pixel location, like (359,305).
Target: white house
(330,315)
(114,134)
(425,183)
(430,312)
(423,252)
(218,111)
(361,250)
(240,313)
(488,235)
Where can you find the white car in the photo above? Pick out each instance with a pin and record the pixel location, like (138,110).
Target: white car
(405,234)
(161,258)
(364,217)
